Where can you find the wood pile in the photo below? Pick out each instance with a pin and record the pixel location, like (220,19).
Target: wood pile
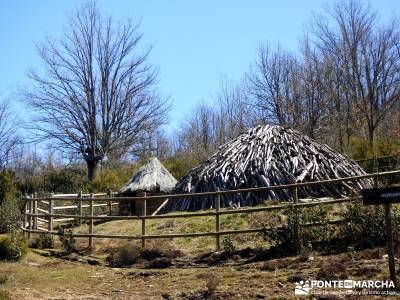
(267,156)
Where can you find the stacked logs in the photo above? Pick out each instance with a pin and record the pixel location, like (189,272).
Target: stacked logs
(267,156)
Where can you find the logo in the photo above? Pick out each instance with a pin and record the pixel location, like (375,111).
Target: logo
(302,288)
(344,287)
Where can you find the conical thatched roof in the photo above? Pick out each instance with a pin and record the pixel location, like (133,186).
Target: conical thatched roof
(151,177)
(267,156)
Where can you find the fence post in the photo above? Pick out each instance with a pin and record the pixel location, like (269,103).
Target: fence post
(91,221)
(35,206)
(29,217)
(109,203)
(217,222)
(296,214)
(51,213)
(144,221)
(25,221)
(80,208)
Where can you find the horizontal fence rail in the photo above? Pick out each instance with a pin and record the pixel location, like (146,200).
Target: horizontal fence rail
(33,215)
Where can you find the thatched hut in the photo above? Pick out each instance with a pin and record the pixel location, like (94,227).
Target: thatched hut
(267,156)
(152,178)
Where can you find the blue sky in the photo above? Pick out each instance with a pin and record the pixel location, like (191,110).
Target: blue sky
(195,43)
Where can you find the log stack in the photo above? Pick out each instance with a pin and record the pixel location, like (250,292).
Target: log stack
(266,156)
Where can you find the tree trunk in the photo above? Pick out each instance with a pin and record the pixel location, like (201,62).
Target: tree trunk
(371,136)
(91,169)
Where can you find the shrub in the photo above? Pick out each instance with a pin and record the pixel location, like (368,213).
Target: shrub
(43,241)
(229,247)
(160,263)
(9,215)
(124,255)
(13,247)
(151,253)
(159,249)
(7,185)
(3,279)
(332,270)
(290,238)
(67,240)
(4,295)
(212,282)
(365,225)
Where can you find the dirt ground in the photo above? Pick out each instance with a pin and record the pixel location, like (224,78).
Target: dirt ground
(240,277)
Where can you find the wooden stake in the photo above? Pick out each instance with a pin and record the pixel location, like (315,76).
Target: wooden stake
(50,213)
(30,217)
(296,211)
(144,222)
(35,206)
(80,207)
(389,238)
(389,242)
(25,219)
(217,222)
(91,221)
(109,203)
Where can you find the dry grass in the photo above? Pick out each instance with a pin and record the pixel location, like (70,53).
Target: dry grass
(190,246)
(39,277)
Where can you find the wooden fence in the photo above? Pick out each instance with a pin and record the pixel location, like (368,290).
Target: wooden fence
(380,164)
(32,215)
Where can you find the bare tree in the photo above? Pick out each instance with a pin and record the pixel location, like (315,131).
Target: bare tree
(367,55)
(232,113)
(97,94)
(9,140)
(273,87)
(313,90)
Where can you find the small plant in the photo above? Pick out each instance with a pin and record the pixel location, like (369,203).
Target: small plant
(43,241)
(13,247)
(212,284)
(124,255)
(9,215)
(67,240)
(365,225)
(160,263)
(229,247)
(290,238)
(4,295)
(352,253)
(305,251)
(3,279)
(158,250)
(333,270)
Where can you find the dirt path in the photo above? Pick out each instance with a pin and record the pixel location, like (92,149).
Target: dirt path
(39,277)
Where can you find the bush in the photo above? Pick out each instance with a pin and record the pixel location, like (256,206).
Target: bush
(13,247)
(7,185)
(9,215)
(229,247)
(159,250)
(4,295)
(123,256)
(365,225)
(3,279)
(332,270)
(292,237)
(160,263)
(212,282)
(67,240)
(43,241)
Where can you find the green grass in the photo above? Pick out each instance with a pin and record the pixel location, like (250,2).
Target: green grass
(191,246)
